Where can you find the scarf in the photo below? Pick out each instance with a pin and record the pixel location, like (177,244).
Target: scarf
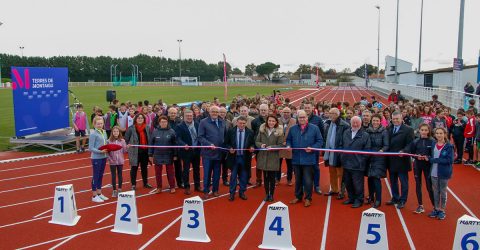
(142,134)
(303,127)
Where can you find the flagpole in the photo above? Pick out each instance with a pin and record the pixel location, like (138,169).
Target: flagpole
(225,77)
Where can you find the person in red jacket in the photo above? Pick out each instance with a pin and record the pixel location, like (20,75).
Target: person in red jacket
(469,134)
(393,97)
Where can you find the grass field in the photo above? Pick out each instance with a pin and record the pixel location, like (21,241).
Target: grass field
(91,96)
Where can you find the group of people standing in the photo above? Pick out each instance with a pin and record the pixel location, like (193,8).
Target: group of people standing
(229,139)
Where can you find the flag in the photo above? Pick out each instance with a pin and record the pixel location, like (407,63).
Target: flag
(225,76)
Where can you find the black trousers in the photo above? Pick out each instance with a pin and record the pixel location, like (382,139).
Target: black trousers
(178,172)
(269,182)
(143,162)
(375,189)
(418,170)
(224,169)
(469,147)
(459,146)
(289,170)
(194,162)
(355,185)
(116,170)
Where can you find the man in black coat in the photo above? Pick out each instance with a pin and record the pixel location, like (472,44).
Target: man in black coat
(173,121)
(401,136)
(334,129)
(239,137)
(317,121)
(187,135)
(256,123)
(355,138)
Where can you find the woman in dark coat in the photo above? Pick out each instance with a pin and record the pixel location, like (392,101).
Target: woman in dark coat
(138,134)
(378,166)
(163,136)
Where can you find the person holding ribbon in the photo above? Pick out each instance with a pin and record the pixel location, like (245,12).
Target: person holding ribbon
(286,121)
(211,133)
(304,137)
(138,134)
(398,167)
(354,165)
(187,135)
(99,158)
(163,136)
(270,136)
(240,141)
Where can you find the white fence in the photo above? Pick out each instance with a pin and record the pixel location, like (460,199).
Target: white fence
(450,98)
(253,84)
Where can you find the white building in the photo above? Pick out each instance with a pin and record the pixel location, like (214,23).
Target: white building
(403,67)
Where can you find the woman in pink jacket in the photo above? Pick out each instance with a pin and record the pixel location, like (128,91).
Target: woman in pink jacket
(116,159)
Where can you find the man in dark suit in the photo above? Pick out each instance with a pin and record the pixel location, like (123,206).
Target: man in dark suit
(187,135)
(355,138)
(239,137)
(173,121)
(401,136)
(317,121)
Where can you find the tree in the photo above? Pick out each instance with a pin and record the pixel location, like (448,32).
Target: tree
(237,71)
(360,71)
(267,69)
(331,72)
(250,69)
(303,69)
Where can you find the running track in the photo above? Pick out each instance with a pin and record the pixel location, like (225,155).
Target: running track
(27,188)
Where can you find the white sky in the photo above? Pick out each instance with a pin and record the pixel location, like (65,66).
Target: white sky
(336,33)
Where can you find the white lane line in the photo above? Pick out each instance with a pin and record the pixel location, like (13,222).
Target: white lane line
(63,242)
(106,217)
(292,102)
(36,157)
(402,221)
(40,214)
(343,97)
(325,225)
(247,226)
(45,173)
(160,233)
(41,165)
(351,91)
(141,218)
(461,203)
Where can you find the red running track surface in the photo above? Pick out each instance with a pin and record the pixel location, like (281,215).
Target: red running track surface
(27,188)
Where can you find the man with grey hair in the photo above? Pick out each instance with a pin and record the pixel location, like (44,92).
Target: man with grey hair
(173,121)
(315,120)
(335,127)
(401,136)
(211,132)
(354,165)
(286,121)
(307,136)
(222,113)
(255,127)
(187,135)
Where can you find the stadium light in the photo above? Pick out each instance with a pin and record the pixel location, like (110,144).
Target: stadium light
(378,43)
(160,51)
(420,45)
(21,49)
(396,46)
(180,57)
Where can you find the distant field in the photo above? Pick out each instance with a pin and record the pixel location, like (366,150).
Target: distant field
(91,96)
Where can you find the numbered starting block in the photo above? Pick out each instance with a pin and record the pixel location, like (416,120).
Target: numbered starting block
(373,231)
(193,226)
(126,218)
(467,234)
(276,233)
(64,210)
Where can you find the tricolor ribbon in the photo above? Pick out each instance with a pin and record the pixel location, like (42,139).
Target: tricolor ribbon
(345,151)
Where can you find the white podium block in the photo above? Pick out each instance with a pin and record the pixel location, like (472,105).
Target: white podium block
(193,226)
(126,218)
(467,234)
(373,231)
(64,210)
(276,233)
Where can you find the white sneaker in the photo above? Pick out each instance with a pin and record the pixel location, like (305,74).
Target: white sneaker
(103,197)
(97,199)
(114,193)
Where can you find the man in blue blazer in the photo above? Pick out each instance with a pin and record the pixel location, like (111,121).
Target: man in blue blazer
(187,135)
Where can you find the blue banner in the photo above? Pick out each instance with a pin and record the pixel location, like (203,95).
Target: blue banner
(40,99)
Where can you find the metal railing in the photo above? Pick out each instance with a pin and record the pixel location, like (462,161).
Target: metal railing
(450,98)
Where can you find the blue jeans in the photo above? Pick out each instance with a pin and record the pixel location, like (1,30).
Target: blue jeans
(303,181)
(238,169)
(98,167)
(211,166)
(394,177)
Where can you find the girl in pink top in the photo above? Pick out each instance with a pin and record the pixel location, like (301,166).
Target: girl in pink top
(80,125)
(116,159)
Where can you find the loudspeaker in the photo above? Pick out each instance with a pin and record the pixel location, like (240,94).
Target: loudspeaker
(111,95)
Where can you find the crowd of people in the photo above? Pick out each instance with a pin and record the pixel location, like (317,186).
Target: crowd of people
(272,130)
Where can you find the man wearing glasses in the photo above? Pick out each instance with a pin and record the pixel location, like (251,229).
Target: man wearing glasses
(306,136)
